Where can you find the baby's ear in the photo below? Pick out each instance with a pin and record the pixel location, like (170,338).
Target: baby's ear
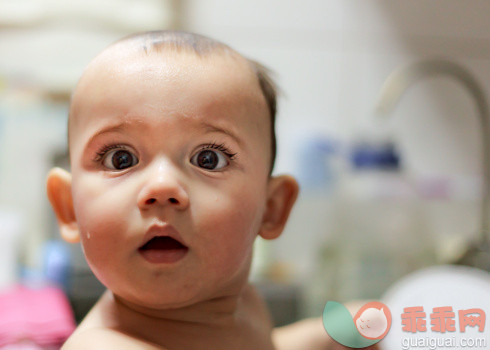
(59,194)
(282,192)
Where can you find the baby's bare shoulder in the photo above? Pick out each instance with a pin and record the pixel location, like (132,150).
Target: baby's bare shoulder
(101,338)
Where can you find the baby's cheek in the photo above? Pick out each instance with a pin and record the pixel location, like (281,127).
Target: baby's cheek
(97,207)
(101,218)
(228,229)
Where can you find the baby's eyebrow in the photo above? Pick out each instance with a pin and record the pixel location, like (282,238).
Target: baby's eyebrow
(123,125)
(116,127)
(215,128)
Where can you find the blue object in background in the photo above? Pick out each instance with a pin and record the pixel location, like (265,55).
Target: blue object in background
(56,263)
(375,156)
(315,170)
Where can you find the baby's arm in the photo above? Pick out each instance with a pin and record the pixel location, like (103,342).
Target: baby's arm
(310,334)
(98,338)
(306,334)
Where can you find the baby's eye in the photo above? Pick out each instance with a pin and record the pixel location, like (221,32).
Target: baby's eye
(210,159)
(119,159)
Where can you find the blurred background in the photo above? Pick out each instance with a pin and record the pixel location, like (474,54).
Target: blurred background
(382,118)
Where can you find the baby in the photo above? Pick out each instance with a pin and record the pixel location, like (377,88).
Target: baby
(172,146)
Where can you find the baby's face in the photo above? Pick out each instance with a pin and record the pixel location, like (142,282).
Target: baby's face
(169,146)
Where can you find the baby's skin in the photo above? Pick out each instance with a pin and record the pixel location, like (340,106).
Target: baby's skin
(244,324)
(169,187)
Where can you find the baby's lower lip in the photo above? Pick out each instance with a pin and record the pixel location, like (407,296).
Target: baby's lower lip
(162,256)
(163,250)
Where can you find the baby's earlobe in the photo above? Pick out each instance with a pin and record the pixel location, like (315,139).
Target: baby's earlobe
(58,186)
(281,196)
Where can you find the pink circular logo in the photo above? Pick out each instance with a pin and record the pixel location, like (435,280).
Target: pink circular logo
(373,320)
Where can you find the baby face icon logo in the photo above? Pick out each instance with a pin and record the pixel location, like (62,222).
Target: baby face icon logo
(372,321)
(370,324)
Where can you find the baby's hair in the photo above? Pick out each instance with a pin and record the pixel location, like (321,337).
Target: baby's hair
(200,45)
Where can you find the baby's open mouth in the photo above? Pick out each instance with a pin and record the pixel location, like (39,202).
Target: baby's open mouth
(163,249)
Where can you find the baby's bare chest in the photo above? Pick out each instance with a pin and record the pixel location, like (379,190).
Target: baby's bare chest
(247,338)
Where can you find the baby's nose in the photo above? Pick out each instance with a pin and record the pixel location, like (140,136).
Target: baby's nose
(162,187)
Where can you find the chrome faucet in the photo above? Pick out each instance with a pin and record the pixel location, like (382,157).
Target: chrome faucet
(478,254)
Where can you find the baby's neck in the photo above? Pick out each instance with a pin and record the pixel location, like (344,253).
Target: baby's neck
(213,312)
(238,321)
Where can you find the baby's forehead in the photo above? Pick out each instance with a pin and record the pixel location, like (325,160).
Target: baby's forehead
(122,64)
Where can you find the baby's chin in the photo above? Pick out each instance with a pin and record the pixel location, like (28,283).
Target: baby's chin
(184,288)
